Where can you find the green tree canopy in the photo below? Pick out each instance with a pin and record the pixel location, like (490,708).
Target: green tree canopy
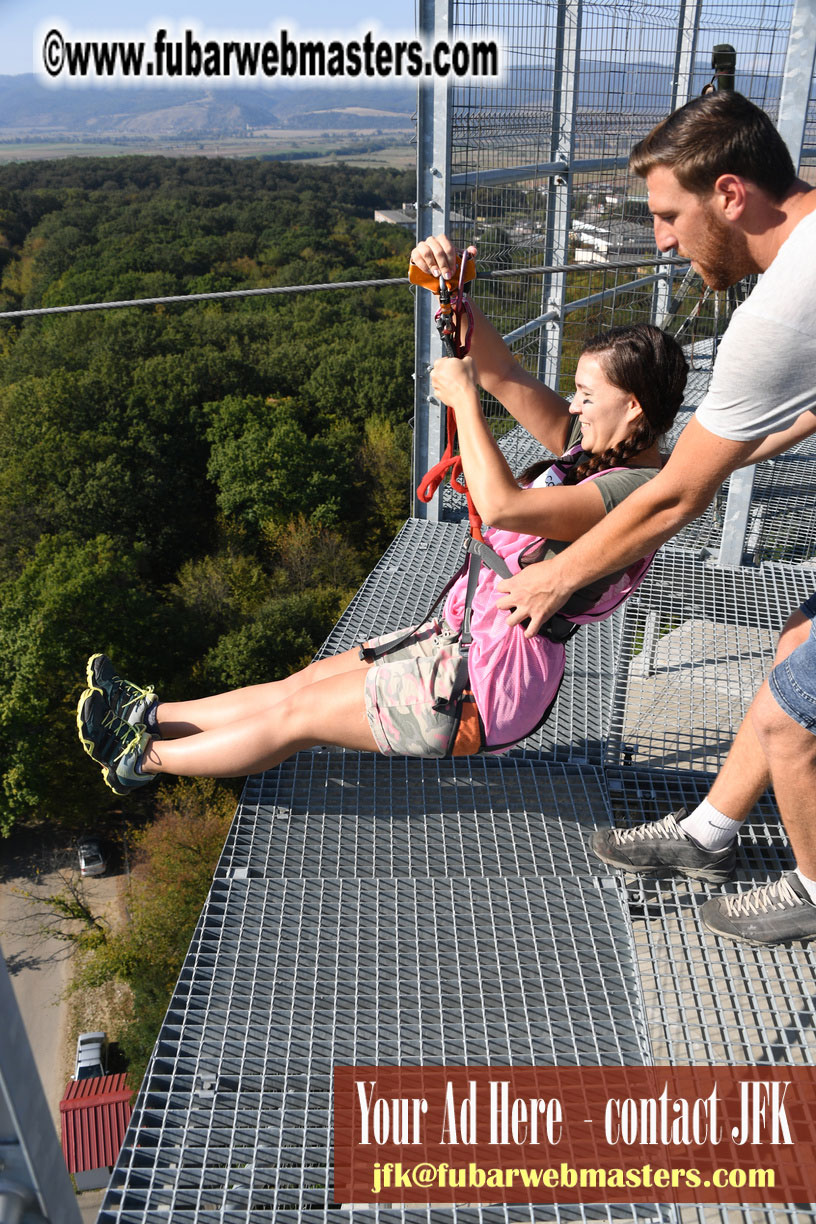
(196,486)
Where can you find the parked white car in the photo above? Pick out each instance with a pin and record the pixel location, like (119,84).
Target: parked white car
(90,1055)
(91,859)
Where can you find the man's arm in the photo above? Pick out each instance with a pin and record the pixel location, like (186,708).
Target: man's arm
(647,518)
(777,443)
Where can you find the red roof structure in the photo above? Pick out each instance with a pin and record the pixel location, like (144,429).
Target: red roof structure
(95,1113)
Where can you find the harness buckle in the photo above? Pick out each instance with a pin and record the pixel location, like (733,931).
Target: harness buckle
(558,629)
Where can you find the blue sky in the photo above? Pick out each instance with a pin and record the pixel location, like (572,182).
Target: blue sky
(20,19)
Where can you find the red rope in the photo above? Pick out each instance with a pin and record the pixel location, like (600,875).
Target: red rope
(451,464)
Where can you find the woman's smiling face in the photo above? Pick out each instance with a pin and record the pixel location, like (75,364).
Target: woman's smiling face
(606,413)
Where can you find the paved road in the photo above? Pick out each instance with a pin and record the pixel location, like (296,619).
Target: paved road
(39,966)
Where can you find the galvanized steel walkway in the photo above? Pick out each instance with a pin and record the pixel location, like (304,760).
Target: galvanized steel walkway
(400,911)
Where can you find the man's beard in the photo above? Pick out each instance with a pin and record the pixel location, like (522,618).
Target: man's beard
(721,256)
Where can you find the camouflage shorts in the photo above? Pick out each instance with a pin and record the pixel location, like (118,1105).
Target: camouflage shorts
(401,689)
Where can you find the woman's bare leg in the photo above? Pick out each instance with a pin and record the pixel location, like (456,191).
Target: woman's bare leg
(177,719)
(328,711)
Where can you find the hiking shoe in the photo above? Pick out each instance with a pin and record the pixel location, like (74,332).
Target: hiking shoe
(111,742)
(127,700)
(770,914)
(662,846)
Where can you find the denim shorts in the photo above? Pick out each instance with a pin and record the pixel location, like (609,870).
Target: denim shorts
(793,681)
(401,689)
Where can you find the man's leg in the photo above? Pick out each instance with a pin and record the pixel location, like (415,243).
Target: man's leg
(702,845)
(790,750)
(783,715)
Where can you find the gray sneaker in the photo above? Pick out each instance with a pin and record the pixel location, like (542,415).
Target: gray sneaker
(662,846)
(769,914)
(112,743)
(127,700)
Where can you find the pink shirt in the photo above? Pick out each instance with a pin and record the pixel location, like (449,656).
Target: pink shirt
(513,678)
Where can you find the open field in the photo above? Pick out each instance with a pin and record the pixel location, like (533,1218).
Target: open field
(358,148)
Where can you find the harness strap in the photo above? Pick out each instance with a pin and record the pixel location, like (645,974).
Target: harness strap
(480,552)
(449,324)
(558,629)
(370,653)
(488,556)
(474,564)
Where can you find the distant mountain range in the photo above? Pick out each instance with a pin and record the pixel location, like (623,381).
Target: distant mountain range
(30,109)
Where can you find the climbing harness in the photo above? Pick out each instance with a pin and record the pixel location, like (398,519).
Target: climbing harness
(468,733)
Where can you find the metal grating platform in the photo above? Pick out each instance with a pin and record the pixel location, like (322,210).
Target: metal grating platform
(346,815)
(697,642)
(287,978)
(400,589)
(376,910)
(707,1000)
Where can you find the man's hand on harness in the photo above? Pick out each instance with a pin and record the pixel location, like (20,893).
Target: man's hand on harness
(534,594)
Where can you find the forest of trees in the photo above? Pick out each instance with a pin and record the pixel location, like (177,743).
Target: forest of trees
(194,489)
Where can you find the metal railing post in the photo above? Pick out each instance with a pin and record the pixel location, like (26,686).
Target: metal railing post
(688,27)
(559,190)
(433,210)
(793,105)
(34,1182)
(797,77)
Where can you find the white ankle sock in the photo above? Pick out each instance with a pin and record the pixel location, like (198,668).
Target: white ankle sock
(710,828)
(810,885)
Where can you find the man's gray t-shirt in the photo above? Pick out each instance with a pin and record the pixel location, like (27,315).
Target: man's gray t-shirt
(765,371)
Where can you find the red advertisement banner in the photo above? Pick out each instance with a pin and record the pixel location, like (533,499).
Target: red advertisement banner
(575,1135)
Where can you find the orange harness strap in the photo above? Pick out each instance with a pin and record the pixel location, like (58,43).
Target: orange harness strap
(450,463)
(469,735)
(469,738)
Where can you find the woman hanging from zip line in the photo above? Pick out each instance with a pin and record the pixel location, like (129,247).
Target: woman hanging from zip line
(437,691)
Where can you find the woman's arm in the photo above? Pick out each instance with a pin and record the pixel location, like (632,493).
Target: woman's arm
(561,513)
(542,412)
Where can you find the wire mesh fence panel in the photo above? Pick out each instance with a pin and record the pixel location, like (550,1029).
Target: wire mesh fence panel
(782,516)
(698,642)
(539,174)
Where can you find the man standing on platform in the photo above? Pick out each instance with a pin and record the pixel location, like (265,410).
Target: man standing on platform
(724,193)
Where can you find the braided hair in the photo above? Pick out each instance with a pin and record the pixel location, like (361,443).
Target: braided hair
(648,364)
